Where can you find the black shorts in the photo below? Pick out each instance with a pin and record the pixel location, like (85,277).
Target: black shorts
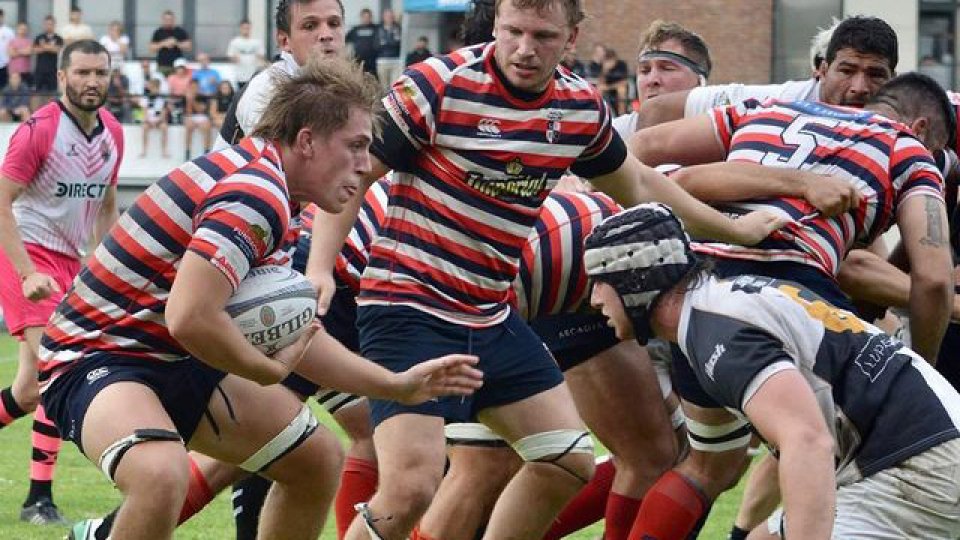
(184,388)
(45,81)
(574,338)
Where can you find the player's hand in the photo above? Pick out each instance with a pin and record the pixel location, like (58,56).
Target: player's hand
(38,286)
(451,375)
(832,195)
(572,183)
(325,286)
(752,228)
(289,357)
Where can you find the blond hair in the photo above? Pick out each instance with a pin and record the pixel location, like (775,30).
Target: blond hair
(572,8)
(320,98)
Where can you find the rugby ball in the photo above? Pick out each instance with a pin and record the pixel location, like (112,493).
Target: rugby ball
(273,306)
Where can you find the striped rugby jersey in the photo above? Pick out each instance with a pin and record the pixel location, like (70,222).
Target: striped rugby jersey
(65,174)
(551,280)
(230,207)
(473,162)
(882,158)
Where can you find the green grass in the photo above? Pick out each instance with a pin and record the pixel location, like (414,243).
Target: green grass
(81,491)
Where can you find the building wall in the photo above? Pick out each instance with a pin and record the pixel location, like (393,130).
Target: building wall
(739,33)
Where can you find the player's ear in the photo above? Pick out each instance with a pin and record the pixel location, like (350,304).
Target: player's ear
(574,32)
(303,143)
(920,126)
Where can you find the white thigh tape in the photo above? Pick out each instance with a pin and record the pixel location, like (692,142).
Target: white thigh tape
(554,443)
(291,437)
(718,438)
(469,431)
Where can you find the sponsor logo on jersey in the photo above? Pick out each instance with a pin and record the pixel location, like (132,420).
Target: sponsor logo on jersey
(517,186)
(105,150)
(80,190)
(553,125)
(714,358)
(488,127)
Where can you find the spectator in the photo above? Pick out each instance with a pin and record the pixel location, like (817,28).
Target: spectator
(15,100)
(169,42)
(150,74)
(363,39)
(155,113)
(570,62)
(420,52)
(610,74)
(20,51)
(118,95)
(116,43)
(247,53)
(388,48)
(6,36)
(206,76)
(177,84)
(46,46)
(197,117)
(76,29)
(221,102)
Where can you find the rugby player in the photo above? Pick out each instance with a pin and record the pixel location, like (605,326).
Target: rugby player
(133,328)
(439,274)
(903,186)
(57,200)
(835,398)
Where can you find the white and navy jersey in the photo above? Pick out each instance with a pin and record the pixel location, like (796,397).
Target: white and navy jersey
(702,99)
(248,105)
(65,174)
(473,161)
(883,402)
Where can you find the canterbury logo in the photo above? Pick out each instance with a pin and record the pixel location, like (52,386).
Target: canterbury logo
(489,126)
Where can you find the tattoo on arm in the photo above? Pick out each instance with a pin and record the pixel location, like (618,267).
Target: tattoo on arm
(935,236)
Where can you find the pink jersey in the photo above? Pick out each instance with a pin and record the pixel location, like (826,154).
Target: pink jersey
(65,174)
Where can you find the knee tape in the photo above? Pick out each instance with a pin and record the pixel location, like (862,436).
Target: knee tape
(472,434)
(719,438)
(557,443)
(292,436)
(363,510)
(110,458)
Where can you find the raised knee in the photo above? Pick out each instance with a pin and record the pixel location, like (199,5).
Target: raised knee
(161,474)
(316,463)
(413,491)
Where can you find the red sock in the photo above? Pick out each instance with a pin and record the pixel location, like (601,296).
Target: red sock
(670,510)
(46,446)
(620,515)
(198,494)
(357,484)
(415,534)
(588,506)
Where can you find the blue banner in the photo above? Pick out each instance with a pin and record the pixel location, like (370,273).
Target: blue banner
(435,5)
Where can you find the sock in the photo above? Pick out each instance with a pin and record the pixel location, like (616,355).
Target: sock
(198,494)
(358,483)
(9,410)
(588,506)
(619,517)
(670,510)
(415,534)
(248,497)
(736,533)
(46,446)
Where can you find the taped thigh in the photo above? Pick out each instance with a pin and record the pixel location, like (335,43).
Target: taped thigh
(292,436)
(110,458)
(718,438)
(472,434)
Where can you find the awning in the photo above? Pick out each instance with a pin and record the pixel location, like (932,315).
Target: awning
(435,5)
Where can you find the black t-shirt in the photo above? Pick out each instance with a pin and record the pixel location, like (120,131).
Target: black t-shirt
(363,37)
(389,41)
(47,61)
(416,56)
(166,55)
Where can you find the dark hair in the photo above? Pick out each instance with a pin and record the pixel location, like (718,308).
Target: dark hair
(168,12)
(75,9)
(914,95)
(245,21)
(366,11)
(694,47)
(477,27)
(85,46)
(282,16)
(866,35)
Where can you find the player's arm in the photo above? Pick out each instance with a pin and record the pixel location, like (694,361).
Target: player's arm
(923,229)
(663,108)
(202,326)
(106,216)
(740,181)
(784,411)
(690,141)
(10,239)
(634,182)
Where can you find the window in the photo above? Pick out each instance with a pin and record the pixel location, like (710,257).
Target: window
(100,13)
(216,24)
(936,45)
(36,10)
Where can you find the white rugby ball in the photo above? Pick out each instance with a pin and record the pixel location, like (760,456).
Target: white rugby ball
(273,306)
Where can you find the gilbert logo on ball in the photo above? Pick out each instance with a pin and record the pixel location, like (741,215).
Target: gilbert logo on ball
(273,306)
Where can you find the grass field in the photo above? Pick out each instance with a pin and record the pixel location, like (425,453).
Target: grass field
(81,491)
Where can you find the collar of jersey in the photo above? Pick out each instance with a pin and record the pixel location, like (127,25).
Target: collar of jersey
(519,98)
